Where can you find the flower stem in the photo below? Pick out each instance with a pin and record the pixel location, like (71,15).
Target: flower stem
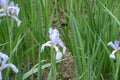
(10,43)
(39,67)
(117,66)
(53,64)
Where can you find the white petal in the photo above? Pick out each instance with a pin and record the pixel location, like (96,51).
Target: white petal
(56,48)
(17,11)
(14,68)
(3,14)
(112,56)
(62,45)
(112,45)
(49,43)
(42,48)
(11,7)
(64,50)
(18,21)
(0,75)
(114,51)
(2,10)
(58,56)
(4,57)
(50,30)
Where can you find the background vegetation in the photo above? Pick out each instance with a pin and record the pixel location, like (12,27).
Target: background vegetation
(85,26)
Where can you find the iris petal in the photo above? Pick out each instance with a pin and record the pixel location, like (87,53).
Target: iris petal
(54,36)
(3,3)
(49,43)
(12,66)
(116,43)
(112,45)
(11,3)
(4,57)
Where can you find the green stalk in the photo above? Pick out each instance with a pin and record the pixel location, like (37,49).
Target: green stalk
(52,72)
(53,64)
(10,30)
(39,67)
(117,66)
(32,25)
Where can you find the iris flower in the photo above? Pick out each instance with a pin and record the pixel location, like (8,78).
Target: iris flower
(116,48)
(55,42)
(10,10)
(4,64)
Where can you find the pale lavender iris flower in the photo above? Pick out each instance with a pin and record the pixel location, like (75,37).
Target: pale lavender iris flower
(4,64)
(3,3)
(10,10)
(55,41)
(116,48)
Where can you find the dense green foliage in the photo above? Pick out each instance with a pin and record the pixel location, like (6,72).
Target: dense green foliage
(85,26)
